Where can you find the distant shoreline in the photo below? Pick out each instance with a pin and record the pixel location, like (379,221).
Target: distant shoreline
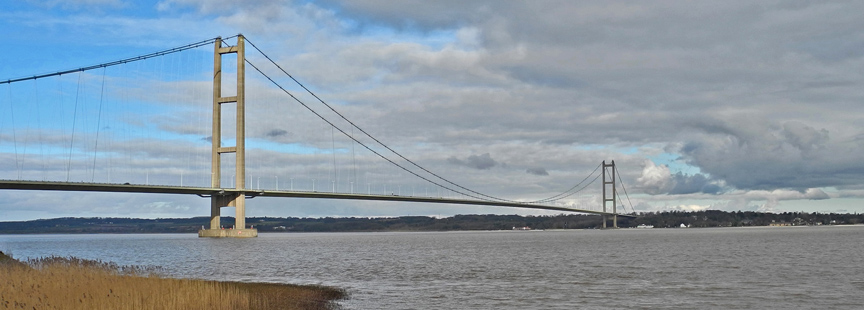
(430,231)
(488,222)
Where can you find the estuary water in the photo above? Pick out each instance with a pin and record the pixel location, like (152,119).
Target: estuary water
(718,268)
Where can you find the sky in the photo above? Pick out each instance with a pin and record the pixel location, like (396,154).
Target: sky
(732,105)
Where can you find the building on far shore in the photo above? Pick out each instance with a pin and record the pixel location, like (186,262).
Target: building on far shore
(773,223)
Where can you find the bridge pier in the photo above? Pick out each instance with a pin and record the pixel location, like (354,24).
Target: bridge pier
(228,233)
(217,202)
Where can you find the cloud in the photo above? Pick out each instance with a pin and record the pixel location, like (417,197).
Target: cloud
(804,137)
(690,208)
(655,179)
(658,179)
(276,133)
(697,183)
(816,194)
(482,162)
(537,171)
(165,207)
(734,200)
(757,154)
(80,4)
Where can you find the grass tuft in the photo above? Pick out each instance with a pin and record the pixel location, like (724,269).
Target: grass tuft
(74,283)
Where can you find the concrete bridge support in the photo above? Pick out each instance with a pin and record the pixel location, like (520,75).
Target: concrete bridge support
(609,179)
(233,199)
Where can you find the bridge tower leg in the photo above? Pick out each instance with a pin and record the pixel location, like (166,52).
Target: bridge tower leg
(237,197)
(610,181)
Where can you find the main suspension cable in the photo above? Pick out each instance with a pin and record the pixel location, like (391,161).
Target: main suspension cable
(583,187)
(117,62)
(559,196)
(392,150)
(355,139)
(369,135)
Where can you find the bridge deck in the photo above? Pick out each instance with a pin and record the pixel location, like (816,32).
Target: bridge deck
(206,191)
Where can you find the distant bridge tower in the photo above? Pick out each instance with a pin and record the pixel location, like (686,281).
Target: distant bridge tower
(236,198)
(610,181)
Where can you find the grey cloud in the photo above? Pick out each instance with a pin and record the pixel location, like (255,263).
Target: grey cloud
(481,162)
(276,133)
(537,171)
(425,15)
(766,155)
(697,183)
(804,137)
(544,77)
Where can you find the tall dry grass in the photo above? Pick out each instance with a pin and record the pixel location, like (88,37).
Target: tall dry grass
(70,283)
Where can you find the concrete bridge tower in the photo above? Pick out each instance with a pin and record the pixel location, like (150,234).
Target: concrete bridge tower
(609,179)
(237,197)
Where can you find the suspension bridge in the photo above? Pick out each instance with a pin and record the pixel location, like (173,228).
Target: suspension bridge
(63,129)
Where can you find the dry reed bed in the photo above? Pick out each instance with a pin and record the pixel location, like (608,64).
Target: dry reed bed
(70,283)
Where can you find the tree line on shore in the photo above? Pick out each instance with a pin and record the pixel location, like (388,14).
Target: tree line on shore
(666,219)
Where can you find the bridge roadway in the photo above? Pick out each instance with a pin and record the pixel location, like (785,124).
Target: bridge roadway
(206,191)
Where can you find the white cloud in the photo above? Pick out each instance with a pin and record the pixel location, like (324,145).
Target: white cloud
(690,208)
(655,179)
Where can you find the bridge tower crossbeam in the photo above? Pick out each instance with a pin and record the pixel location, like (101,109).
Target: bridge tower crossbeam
(236,199)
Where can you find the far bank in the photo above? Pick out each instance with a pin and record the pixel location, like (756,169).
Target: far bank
(671,219)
